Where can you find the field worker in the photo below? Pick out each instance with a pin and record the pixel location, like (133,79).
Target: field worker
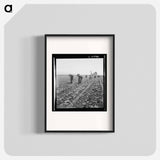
(79,78)
(71,78)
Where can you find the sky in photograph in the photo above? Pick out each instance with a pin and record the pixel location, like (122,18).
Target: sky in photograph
(82,66)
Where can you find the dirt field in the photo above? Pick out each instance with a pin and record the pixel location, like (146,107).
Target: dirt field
(88,94)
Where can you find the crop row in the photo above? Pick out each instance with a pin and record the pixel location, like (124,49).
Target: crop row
(88,94)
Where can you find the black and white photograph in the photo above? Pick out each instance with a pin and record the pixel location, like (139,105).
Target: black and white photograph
(79,82)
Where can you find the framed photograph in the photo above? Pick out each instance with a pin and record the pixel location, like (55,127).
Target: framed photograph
(79,83)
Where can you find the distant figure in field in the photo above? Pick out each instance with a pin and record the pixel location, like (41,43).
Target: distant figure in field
(95,74)
(79,78)
(86,76)
(71,78)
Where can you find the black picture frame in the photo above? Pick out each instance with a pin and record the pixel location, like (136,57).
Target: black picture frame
(113,77)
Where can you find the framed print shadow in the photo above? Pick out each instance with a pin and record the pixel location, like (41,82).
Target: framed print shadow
(79,83)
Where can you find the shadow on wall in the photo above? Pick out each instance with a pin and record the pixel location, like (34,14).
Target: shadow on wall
(39,84)
(25,85)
